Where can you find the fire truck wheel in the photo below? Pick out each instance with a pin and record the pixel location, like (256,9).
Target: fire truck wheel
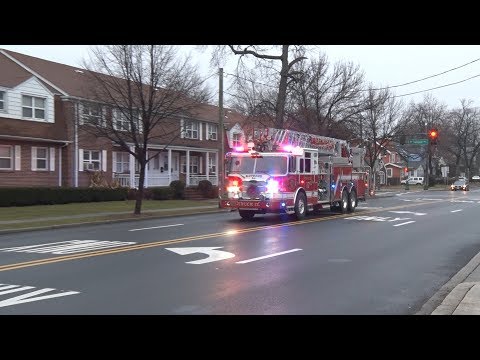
(300,206)
(344,202)
(352,201)
(246,214)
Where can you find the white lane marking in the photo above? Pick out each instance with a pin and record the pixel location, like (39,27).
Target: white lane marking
(31,296)
(405,223)
(408,212)
(155,227)
(456,210)
(213,254)
(461,201)
(369,207)
(67,247)
(406,200)
(267,256)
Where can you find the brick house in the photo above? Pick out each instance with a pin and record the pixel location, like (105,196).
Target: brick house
(44,109)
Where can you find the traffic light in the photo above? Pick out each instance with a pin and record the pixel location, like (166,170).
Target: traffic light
(433,136)
(406,170)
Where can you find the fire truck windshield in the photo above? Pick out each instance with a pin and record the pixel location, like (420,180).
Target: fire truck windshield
(272,165)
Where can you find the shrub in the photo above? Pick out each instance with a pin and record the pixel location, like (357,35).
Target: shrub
(178,189)
(58,195)
(162,193)
(205,187)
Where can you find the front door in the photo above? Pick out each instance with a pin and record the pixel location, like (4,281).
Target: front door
(175,166)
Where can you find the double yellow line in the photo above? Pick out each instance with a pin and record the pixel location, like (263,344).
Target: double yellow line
(53,260)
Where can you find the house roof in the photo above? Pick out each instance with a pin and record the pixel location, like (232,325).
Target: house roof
(75,82)
(12,74)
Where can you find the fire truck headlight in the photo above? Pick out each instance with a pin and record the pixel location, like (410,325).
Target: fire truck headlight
(234,189)
(272,186)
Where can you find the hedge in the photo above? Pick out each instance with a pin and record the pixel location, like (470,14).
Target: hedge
(58,195)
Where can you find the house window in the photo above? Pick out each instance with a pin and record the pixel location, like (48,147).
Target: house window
(212,161)
(236,140)
(92,114)
(40,158)
(122,162)
(193,164)
(122,123)
(389,172)
(191,129)
(6,157)
(392,158)
(212,131)
(2,101)
(33,107)
(91,160)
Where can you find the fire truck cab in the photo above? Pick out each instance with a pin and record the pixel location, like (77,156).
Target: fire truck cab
(280,175)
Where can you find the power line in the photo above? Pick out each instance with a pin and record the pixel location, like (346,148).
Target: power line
(428,77)
(438,87)
(253,81)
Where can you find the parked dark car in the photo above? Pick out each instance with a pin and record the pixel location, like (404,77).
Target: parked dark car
(459,185)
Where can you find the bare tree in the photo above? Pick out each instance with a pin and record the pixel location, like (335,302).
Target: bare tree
(326,102)
(381,119)
(145,89)
(266,61)
(428,114)
(465,133)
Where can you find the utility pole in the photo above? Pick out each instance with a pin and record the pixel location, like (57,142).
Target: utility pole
(427,166)
(221,160)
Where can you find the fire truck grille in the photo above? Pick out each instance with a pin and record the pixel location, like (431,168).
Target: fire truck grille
(253,190)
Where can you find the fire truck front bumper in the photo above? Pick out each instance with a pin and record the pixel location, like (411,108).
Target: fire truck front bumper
(259,205)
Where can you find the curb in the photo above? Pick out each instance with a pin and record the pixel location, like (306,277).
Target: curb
(102,222)
(437,299)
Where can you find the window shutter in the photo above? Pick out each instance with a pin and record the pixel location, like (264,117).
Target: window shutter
(52,159)
(114,161)
(104,160)
(18,157)
(182,135)
(200,125)
(34,158)
(80,159)
(201,164)
(80,114)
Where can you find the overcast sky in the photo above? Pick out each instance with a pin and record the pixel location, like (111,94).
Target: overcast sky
(384,65)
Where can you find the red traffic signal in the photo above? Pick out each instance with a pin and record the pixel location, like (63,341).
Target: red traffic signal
(433,136)
(406,170)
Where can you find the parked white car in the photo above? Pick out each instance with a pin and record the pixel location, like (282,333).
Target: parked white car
(476,177)
(413,180)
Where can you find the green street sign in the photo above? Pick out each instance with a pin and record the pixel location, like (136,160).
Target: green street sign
(418,141)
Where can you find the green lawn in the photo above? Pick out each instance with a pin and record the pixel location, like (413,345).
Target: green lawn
(42,211)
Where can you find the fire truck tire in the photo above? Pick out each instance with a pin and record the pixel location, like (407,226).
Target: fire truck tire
(246,214)
(344,202)
(301,206)
(352,201)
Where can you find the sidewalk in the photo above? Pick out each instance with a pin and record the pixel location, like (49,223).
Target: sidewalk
(462,293)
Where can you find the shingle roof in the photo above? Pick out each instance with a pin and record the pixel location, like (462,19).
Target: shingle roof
(75,82)
(12,74)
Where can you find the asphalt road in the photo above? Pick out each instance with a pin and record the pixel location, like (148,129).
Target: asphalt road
(389,257)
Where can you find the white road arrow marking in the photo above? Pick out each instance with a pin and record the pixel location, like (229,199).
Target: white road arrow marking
(456,210)
(213,254)
(408,212)
(30,296)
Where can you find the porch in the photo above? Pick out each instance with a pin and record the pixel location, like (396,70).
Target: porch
(190,165)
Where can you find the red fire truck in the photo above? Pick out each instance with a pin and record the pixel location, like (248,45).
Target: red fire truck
(293,172)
